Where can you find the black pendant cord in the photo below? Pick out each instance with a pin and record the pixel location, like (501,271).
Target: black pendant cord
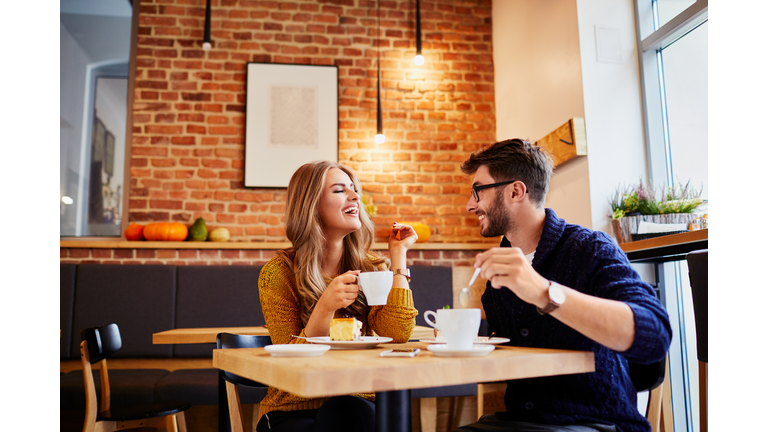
(207,31)
(379,129)
(418,27)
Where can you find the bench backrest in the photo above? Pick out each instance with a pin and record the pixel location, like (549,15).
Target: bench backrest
(146,299)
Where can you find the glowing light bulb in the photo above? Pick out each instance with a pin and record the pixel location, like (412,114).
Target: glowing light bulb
(67,200)
(418,60)
(206,46)
(379,138)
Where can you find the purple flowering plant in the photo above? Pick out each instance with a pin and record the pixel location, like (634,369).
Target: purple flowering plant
(641,199)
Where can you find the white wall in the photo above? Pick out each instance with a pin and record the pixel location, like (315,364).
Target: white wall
(539,87)
(612,106)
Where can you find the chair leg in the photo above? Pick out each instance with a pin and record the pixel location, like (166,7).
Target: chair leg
(480,393)
(170,423)
(667,425)
(235,409)
(182,422)
(653,412)
(703,396)
(428,414)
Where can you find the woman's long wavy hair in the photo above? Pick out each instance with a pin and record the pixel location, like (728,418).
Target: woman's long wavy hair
(305,231)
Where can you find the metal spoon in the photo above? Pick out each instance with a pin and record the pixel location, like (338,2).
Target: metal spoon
(464,293)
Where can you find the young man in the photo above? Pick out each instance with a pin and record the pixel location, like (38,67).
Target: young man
(556,285)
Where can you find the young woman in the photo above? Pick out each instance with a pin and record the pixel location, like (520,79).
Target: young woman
(304,287)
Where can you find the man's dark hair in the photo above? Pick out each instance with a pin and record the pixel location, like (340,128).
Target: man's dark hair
(515,159)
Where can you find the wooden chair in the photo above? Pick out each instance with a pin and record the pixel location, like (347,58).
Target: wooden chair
(698,275)
(98,344)
(650,377)
(226,341)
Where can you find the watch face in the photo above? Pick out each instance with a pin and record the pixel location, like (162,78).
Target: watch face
(556,293)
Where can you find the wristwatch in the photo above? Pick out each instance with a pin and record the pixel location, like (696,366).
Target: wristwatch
(404,272)
(556,298)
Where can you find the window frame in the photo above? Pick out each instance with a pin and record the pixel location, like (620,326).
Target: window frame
(124,219)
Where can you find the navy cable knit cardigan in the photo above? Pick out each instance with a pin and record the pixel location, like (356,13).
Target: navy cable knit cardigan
(592,263)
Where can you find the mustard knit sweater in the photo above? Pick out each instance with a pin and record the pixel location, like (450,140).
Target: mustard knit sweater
(279,297)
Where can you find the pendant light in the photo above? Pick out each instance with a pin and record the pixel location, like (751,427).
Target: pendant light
(207,31)
(418,59)
(379,138)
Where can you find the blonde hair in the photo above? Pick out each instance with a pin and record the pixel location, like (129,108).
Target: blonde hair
(304,229)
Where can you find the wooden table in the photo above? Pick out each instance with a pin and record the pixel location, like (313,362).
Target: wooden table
(340,372)
(208,335)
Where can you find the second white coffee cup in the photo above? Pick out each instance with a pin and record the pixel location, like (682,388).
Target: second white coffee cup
(376,286)
(459,326)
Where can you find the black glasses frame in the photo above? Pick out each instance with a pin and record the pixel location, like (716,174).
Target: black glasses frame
(476,189)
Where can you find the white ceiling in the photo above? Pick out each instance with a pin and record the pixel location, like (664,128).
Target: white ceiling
(102,28)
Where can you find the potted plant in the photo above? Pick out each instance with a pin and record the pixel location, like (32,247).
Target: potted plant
(636,203)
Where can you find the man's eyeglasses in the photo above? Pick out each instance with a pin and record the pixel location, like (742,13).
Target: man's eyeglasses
(476,189)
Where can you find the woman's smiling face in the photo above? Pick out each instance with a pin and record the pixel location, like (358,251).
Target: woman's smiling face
(339,205)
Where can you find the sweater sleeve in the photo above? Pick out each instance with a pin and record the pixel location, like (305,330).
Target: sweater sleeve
(397,318)
(614,278)
(280,302)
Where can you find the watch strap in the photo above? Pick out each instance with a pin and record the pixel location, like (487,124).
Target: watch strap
(405,272)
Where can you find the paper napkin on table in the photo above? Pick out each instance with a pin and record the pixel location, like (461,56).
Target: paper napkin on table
(651,227)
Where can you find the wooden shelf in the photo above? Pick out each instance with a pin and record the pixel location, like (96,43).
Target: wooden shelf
(666,248)
(122,244)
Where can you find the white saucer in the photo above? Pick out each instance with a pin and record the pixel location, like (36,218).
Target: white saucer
(476,350)
(480,340)
(365,342)
(296,350)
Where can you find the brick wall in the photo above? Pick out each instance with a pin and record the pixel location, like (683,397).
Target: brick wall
(188,131)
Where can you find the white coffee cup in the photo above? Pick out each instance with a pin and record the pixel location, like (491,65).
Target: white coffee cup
(459,326)
(376,286)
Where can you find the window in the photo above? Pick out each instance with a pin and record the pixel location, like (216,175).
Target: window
(672,50)
(95,42)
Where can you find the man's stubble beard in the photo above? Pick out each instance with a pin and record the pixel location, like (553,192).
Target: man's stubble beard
(498,218)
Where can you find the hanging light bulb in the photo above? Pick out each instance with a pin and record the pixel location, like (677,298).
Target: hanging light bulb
(379,138)
(207,31)
(418,59)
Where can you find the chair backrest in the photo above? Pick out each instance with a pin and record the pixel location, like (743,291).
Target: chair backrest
(698,275)
(647,376)
(102,341)
(432,288)
(229,340)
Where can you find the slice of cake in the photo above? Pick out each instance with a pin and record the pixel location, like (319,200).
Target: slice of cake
(345,329)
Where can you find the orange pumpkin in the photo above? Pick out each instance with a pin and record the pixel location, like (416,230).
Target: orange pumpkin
(165,231)
(134,232)
(422,231)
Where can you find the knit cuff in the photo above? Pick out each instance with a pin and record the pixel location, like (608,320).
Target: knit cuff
(402,297)
(647,346)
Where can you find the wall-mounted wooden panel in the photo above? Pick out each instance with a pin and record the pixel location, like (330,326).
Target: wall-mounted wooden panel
(567,141)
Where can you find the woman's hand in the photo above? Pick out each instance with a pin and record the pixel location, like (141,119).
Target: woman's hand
(401,237)
(340,293)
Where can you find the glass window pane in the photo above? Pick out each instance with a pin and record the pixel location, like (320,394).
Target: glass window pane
(94,49)
(685,82)
(668,9)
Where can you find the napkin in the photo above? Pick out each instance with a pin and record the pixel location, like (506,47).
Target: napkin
(651,227)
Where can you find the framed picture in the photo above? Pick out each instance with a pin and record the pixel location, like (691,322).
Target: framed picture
(109,153)
(292,117)
(99,130)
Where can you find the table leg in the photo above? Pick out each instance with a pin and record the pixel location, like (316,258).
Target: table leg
(224,425)
(393,411)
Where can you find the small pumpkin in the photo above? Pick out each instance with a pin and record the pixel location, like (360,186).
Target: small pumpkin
(422,231)
(134,232)
(220,234)
(165,231)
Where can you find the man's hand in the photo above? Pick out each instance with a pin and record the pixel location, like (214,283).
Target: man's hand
(507,267)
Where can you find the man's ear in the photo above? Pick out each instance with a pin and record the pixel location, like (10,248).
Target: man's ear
(517,191)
